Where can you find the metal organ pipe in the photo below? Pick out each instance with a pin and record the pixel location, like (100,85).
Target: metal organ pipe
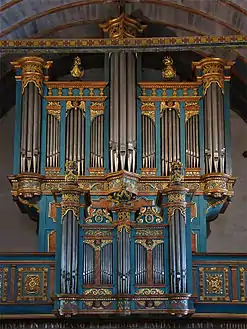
(170,142)
(122,112)
(75,123)
(214,130)
(97,142)
(192,142)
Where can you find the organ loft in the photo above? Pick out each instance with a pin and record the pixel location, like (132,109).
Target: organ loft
(123,176)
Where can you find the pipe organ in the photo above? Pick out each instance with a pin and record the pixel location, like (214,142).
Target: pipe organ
(123,176)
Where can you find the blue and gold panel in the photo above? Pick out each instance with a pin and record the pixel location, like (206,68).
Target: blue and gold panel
(214,284)
(149,215)
(3,283)
(98,216)
(243,284)
(32,284)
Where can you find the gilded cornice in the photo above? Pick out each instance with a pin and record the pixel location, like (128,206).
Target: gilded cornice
(168,98)
(76,98)
(169,85)
(76,84)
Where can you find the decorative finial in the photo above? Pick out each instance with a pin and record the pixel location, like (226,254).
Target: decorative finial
(122,27)
(76,72)
(71,172)
(168,71)
(176,172)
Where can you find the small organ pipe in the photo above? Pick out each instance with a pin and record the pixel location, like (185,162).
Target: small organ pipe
(24,130)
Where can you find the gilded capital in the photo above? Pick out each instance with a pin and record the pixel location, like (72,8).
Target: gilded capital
(211,70)
(32,70)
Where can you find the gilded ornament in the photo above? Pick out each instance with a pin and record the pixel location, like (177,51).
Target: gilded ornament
(76,105)
(54,108)
(71,171)
(149,292)
(212,72)
(243,284)
(149,113)
(97,244)
(149,244)
(32,283)
(98,215)
(99,232)
(191,108)
(168,71)
(214,284)
(122,27)
(169,105)
(28,204)
(3,283)
(176,172)
(76,72)
(149,232)
(96,109)
(176,197)
(97,292)
(149,215)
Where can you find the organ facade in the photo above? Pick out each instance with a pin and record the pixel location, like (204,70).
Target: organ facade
(123,176)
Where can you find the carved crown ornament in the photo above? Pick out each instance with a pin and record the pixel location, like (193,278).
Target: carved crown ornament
(32,71)
(122,27)
(212,70)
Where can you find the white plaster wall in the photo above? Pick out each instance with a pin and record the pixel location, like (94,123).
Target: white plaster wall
(17,231)
(228,232)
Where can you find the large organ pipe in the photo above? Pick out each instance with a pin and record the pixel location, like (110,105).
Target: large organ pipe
(213,73)
(192,142)
(97,142)
(52,141)
(75,123)
(122,112)
(69,254)
(123,262)
(170,142)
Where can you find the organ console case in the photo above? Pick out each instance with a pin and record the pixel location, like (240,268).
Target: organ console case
(123,176)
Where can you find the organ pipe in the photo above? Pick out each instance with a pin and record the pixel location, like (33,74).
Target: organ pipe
(170,142)
(97,142)
(148,142)
(192,142)
(53,141)
(122,112)
(123,262)
(75,130)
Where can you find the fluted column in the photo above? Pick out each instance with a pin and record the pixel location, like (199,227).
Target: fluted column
(33,71)
(214,74)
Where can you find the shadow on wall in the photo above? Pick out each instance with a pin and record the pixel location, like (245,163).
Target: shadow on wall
(228,232)
(17,231)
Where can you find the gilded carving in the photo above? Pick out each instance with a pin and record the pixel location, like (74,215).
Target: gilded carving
(149,292)
(76,71)
(122,27)
(149,232)
(214,285)
(54,108)
(76,105)
(149,215)
(3,283)
(168,72)
(99,232)
(176,197)
(123,221)
(96,108)
(98,215)
(191,108)
(169,105)
(98,243)
(243,283)
(97,292)
(32,283)
(149,244)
